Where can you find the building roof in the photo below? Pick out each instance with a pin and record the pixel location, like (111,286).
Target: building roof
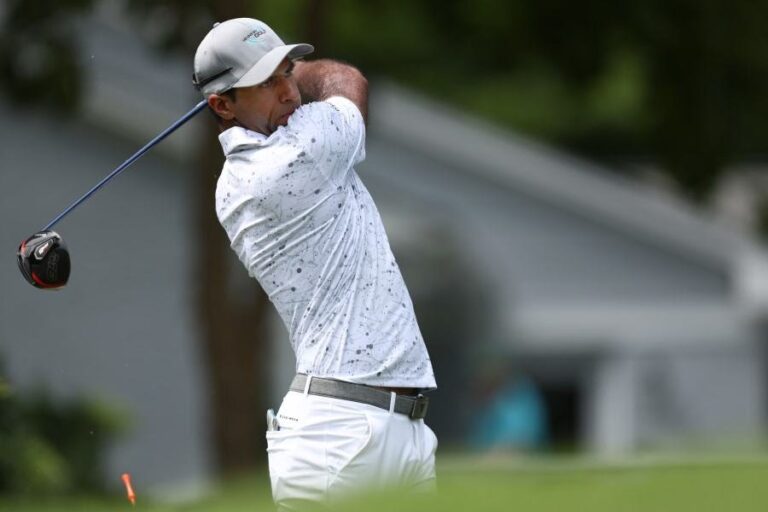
(555,177)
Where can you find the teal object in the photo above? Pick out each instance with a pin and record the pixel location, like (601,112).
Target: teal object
(515,418)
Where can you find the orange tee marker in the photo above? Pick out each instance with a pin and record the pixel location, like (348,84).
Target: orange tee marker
(131,495)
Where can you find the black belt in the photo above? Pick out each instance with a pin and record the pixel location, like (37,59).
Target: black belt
(415,407)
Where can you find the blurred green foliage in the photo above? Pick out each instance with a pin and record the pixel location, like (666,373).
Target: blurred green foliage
(677,83)
(52,446)
(680,83)
(39,52)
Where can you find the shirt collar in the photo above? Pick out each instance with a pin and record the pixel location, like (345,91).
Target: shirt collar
(237,137)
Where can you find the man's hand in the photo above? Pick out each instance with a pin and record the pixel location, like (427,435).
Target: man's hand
(320,79)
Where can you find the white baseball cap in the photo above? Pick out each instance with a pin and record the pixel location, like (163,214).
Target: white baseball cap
(239,53)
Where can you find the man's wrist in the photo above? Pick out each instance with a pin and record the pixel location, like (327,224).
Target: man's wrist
(320,79)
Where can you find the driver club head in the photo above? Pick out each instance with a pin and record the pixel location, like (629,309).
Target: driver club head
(44,260)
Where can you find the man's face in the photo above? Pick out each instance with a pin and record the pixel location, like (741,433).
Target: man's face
(264,107)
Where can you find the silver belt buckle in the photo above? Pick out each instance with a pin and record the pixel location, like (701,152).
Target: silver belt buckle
(419,409)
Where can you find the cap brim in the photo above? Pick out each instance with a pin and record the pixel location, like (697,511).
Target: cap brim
(269,63)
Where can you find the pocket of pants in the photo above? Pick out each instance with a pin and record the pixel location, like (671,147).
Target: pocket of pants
(279,460)
(346,441)
(279,446)
(305,462)
(282,446)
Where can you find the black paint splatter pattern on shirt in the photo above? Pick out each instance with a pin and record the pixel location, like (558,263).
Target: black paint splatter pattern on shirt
(304,225)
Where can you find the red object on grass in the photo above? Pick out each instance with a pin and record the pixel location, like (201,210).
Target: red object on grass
(131,495)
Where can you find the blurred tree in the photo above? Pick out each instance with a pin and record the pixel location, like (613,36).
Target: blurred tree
(232,308)
(38,52)
(681,81)
(50,445)
(708,71)
(40,60)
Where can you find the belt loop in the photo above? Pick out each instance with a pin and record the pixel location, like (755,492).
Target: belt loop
(392,399)
(307,384)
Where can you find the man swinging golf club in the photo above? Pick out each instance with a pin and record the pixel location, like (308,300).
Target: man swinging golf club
(306,228)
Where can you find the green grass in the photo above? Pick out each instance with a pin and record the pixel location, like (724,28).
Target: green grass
(477,485)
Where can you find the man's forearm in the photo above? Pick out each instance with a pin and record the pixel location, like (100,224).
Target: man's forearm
(320,79)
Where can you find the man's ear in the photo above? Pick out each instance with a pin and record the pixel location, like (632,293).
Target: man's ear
(221,105)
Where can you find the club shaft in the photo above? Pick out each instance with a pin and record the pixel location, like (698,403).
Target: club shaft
(189,115)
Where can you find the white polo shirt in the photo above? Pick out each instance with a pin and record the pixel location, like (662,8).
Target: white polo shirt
(306,228)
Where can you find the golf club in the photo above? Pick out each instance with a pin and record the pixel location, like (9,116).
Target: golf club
(43,257)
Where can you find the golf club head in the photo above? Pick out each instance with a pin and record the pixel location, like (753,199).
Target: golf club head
(44,260)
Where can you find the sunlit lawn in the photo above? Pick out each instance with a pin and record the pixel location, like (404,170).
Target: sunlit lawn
(482,485)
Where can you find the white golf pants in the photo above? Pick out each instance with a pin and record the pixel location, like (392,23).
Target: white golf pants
(327,447)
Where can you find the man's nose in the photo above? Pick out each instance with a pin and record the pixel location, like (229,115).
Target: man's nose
(289,92)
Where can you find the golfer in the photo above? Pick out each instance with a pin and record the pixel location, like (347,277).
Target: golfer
(306,228)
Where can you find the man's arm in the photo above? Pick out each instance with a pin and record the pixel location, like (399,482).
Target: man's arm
(318,80)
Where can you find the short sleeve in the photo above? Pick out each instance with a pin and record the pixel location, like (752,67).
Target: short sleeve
(331,132)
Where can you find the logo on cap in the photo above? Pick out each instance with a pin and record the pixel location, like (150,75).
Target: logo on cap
(253,36)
